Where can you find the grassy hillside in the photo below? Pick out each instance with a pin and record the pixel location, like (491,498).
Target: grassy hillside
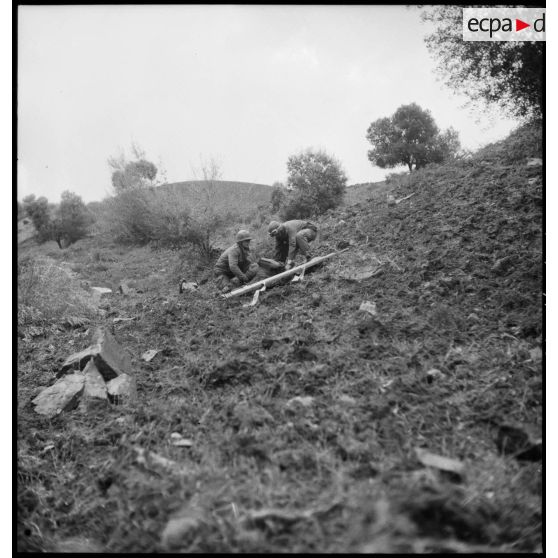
(305,414)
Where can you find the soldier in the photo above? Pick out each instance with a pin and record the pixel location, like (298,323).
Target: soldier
(292,238)
(235,265)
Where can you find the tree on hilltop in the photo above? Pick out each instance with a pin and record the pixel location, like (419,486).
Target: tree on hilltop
(504,73)
(410,137)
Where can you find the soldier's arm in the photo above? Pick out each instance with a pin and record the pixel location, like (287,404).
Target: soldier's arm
(235,270)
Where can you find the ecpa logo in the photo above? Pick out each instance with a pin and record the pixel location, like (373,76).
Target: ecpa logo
(504,24)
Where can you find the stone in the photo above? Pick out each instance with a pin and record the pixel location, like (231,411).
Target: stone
(369,307)
(124,289)
(149,355)
(110,359)
(535,162)
(188,286)
(122,389)
(95,386)
(434,374)
(64,395)
(101,290)
(347,399)
(180,530)
(440,462)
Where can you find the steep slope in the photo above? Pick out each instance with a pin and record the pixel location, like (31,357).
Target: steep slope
(305,413)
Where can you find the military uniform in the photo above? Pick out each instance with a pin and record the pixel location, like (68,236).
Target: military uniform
(234,266)
(292,238)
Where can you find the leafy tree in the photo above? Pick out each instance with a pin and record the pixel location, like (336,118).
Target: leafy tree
(410,137)
(39,212)
(72,219)
(506,73)
(68,222)
(317,182)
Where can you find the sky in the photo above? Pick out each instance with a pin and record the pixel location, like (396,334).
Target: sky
(248,86)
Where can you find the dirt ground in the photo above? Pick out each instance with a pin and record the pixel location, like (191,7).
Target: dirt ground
(305,413)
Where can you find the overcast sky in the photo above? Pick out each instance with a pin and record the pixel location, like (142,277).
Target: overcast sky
(247,85)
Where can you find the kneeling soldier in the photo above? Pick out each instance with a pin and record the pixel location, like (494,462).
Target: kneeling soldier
(291,238)
(235,265)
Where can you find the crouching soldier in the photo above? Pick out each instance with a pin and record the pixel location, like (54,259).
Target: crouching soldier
(235,265)
(292,238)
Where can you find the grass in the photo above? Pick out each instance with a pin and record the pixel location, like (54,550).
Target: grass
(267,473)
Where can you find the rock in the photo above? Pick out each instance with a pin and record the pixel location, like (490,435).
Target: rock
(62,396)
(183,443)
(532,181)
(369,307)
(122,389)
(391,200)
(101,290)
(187,286)
(124,289)
(95,386)
(439,462)
(181,529)
(434,374)
(341,223)
(347,399)
(110,359)
(472,317)
(148,356)
(362,274)
(534,162)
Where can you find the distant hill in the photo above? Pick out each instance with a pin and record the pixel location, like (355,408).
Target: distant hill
(239,198)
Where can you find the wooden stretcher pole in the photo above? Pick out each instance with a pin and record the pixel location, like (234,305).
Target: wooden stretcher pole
(283,275)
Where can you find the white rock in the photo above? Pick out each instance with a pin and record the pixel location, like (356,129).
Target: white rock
(121,389)
(369,307)
(95,386)
(101,290)
(62,396)
(534,162)
(148,356)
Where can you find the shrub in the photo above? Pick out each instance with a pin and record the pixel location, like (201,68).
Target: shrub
(317,183)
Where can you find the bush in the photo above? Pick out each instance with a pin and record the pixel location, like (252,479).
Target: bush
(142,216)
(317,183)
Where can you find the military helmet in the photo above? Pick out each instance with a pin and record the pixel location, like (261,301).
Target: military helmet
(272,226)
(243,235)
